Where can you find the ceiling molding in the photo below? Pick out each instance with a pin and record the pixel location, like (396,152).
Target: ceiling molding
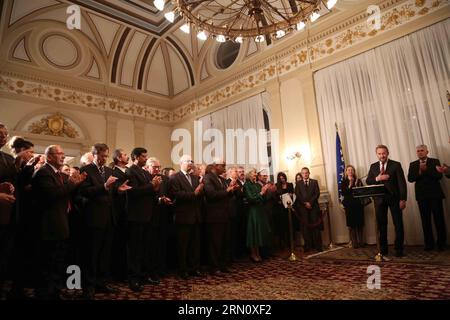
(168,65)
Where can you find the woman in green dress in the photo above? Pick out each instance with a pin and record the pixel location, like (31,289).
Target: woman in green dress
(257,224)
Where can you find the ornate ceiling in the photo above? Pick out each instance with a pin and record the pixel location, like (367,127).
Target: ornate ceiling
(124,47)
(127,50)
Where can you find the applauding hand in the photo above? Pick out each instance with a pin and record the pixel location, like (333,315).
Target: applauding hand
(124,187)
(8,198)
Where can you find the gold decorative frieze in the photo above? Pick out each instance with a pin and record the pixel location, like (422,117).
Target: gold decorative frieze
(70,96)
(54,125)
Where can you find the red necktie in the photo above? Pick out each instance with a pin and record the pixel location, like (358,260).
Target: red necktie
(382,168)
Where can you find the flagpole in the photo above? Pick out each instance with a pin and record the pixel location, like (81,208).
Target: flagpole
(332,245)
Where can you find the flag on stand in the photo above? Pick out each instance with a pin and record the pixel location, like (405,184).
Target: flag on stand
(340,165)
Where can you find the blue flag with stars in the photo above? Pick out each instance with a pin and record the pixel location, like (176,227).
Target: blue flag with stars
(340,165)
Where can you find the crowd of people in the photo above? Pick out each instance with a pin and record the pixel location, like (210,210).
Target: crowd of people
(125,221)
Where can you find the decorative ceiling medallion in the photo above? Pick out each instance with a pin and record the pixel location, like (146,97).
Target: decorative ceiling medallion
(60,51)
(54,125)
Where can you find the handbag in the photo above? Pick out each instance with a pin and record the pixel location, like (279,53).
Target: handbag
(366,201)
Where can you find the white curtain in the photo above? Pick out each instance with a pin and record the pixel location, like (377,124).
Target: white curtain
(394,95)
(245,114)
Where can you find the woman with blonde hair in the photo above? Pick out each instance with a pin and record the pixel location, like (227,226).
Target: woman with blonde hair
(354,209)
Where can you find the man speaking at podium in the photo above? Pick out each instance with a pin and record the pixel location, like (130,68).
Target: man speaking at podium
(389,173)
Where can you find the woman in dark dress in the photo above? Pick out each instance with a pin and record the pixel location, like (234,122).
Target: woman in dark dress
(281,219)
(354,209)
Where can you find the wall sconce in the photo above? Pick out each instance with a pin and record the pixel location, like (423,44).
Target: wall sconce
(294,155)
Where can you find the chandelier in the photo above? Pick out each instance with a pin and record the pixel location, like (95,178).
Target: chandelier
(238,19)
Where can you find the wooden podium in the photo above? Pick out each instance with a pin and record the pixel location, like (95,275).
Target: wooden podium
(370,191)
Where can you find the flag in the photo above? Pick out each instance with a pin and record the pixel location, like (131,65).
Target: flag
(340,165)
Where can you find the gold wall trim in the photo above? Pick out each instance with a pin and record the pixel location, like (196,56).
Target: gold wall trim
(44,91)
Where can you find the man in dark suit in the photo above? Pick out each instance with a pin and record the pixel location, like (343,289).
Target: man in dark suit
(218,195)
(119,252)
(8,174)
(99,188)
(236,208)
(429,196)
(52,192)
(389,173)
(187,193)
(307,204)
(141,201)
(160,222)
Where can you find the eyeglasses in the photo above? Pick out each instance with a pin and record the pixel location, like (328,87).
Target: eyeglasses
(188,161)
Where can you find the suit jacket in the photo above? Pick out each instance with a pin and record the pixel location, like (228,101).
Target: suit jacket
(217,199)
(160,210)
(99,209)
(395,186)
(52,201)
(237,199)
(309,194)
(8,173)
(427,183)
(142,196)
(120,199)
(187,206)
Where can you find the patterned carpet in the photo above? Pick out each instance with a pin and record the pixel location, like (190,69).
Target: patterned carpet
(413,254)
(338,275)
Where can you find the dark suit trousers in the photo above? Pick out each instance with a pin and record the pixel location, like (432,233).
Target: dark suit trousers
(218,243)
(427,208)
(381,209)
(159,246)
(119,251)
(311,232)
(53,267)
(138,249)
(97,252)
(151,265)
(188,238)
(6,244)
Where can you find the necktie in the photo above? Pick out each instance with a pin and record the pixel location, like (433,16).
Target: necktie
(60,177)
(188,177)
(102,172)
(306,183)
(221,182)
(382,168)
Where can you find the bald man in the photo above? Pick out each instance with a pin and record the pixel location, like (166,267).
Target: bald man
(429,195)
(52,191)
